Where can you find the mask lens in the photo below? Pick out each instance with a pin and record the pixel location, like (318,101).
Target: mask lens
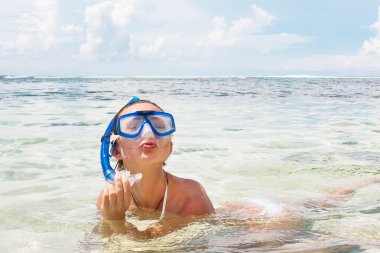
(131,125)
(161,123)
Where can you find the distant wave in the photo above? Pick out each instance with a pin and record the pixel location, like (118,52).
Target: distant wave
(47,78)
(15,77)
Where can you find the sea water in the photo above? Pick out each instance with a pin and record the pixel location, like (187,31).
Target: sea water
(281,140)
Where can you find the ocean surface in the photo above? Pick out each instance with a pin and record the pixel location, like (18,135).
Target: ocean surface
(279,141)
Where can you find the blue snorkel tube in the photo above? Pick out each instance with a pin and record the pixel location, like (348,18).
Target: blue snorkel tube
(105,154)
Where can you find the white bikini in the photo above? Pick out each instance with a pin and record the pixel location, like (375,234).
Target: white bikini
(165,197)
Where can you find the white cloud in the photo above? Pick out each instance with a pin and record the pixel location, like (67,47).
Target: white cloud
(372,45)
(122,12)
(269,42)
(151,49)
(166,47)
(34,29)
(338,64)
(366,60)
(107,24)
(228,35)
(247,34)
(376,25)
(166,33)
(220,36)
(260,20)
(107,29)
(234,37)
(71,28)
(40,23)
(20,45)
(23,42)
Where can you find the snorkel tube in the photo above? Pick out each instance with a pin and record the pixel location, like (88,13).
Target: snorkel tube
(105,152)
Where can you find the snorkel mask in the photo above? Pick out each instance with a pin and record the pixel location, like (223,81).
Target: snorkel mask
(137,127)
(131,125)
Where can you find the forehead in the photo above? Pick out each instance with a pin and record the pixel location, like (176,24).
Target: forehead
(140,107)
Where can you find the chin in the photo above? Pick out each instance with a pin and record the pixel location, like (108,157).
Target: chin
(150,160)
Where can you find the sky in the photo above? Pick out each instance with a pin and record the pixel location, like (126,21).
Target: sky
(189,37)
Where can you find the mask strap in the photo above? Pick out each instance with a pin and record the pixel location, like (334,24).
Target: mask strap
(113,139)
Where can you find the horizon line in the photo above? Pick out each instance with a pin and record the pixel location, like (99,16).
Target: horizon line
(4,76)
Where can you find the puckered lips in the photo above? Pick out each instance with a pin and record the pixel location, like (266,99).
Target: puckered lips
(148,145)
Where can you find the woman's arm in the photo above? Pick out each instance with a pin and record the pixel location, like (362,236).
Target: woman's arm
(339,194)
(158,229)
(349,190)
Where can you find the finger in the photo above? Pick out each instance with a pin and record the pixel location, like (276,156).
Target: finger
(112,196)
(105,200)
(127,191)
(119,190)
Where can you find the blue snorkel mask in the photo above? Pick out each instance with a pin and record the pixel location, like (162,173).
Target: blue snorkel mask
(105,154)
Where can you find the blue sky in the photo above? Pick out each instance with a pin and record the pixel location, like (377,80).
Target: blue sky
(189,38)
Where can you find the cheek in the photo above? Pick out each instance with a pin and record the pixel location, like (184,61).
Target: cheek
(167,148)
(129,149)
(127,143)
(164,142)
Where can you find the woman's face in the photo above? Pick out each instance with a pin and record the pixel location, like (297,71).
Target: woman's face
(145,149)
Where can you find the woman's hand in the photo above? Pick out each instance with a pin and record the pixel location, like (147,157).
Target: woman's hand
(114,200)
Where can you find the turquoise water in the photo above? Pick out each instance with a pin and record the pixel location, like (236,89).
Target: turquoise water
(283,140)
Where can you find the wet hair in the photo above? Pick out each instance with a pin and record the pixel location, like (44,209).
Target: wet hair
(119,165)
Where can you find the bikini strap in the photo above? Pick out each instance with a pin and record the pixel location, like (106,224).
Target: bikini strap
(165,197)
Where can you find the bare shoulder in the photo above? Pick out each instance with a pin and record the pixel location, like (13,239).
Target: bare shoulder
(193,197)
(193,187)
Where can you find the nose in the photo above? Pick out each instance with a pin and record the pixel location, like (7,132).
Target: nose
(147,131)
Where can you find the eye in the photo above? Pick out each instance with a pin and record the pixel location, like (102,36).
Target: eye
(130,124)
(133,124)
(159,123)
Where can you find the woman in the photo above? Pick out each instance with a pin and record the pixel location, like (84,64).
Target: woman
(142,144)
